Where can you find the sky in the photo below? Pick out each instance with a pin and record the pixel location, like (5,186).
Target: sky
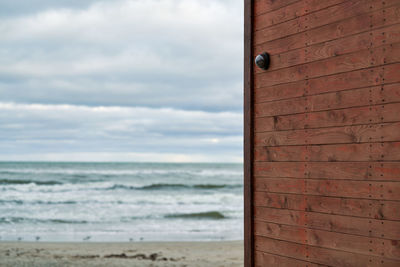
(121,80)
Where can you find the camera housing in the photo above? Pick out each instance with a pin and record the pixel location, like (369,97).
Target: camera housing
(262,61)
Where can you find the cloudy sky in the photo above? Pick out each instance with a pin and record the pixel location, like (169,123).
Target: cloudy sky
(121,80)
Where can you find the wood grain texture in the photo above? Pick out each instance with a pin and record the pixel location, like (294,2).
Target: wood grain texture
(381,190)
(263,259)
(384,229)
(375,76)
(325,137)
(378,104)
(367,208)
(388,151)
(337,47)
(248,134)
(316,19)
(320,255)
(345,63)
(326,239)
(333,31)
(290,12)
(369,114)
(370,171)
(264,6)
(385,132)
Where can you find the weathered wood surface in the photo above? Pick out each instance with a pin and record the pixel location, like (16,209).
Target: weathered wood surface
(367,208)
(323,17)
(327,239)
(325,139)
(336,47)
(385,132)
(381,190)
(264,19)
(248,134)
(319,255)
(329,222)
(263,259)
(388,151)
(370,171)
(334,83)
(363,59)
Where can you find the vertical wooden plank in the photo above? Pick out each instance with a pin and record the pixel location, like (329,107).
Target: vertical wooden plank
(248,134)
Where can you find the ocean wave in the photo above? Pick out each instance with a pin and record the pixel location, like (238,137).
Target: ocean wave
(19,181)
(21,202)
(12,220)
(161,186)
(86,172)
(214,215)
(18,202)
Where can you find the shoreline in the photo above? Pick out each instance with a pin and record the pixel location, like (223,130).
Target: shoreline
(197,253)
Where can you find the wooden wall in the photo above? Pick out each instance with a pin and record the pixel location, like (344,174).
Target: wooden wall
(322,133)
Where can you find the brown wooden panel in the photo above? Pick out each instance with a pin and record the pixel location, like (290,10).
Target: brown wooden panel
(385,171)
(384,132)
(383,95)
(356,97)
(335,188)
(340,29)
(337,47)
(263,259)
(344,63)
(279,169)
(282,107)
(281,91)
(356,79)
(266,124)
(344,242)
(359,60)
(317,120)
(327,170)
(248,101)
(325,157)
(323,17)
(291,11)
(372,171)
(320,255)
(350,134)
(391,73)
(375,209)
(335,223)
(346,152)
(263,6)
(334,84)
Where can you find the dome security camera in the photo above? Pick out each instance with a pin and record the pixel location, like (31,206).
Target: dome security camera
(262,61)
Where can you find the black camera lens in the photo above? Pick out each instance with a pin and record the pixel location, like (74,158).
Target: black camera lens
(262,61)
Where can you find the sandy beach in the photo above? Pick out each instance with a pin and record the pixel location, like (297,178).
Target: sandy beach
(202,254)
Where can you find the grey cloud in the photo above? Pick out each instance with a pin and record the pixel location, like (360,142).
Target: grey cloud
(121,80)
(23,7)
(187,53)
(66,128)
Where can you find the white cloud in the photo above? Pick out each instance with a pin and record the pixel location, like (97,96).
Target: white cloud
(136,80)
(139,49)
(123,157)
(99,133)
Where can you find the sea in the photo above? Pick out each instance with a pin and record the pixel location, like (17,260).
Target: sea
(120,202)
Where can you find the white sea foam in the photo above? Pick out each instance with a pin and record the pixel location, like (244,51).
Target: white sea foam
(110,202)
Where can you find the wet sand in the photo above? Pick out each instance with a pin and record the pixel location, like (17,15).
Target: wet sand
(202,254)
